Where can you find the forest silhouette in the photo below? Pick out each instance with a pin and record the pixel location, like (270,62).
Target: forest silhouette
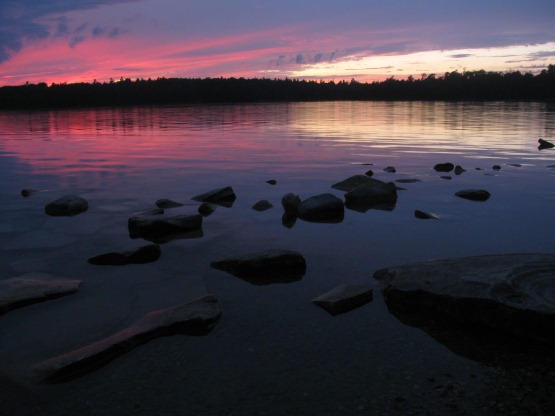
(467,85)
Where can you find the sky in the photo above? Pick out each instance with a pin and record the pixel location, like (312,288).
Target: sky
(57,41)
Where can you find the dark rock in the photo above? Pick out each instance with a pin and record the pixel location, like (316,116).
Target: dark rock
(206,208)
(160,230)
(322,208)
(272,181)
(344,298)
(221,196)
(474,194)
(424,215)
(369,173)
(496,167)
(32,288)
(265,267)
(372,194)
(516,165)
(27,192)
(290,203)
(197,317)
(390,169)
(444,167)
(167,203)
(511,294)
(459,170)
(408,180)
(355,181)
(288,220)
(152,211)
(448,178)
(544,144)
(262,205)
(145,254)
(67,206)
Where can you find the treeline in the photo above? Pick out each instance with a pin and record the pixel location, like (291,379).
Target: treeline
(468,85)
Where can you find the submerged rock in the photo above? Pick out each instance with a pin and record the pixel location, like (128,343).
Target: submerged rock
(27,192)
(206,208)
(167,203)
(271,182)
(474,194)
(160,230)
(390,169)
(355,181)
(262,205)
(197,317)
(221,196)
(408,180)
(145,254)
(512,294)
(322,208)
(32,288)
(265,267)
(344,298)
(425,215)
(444,167)
(67,206)
(372,194)
(152,211)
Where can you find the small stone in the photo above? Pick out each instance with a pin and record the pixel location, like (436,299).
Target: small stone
(424,215)
(544,144)
(167,203)
(262,205)
(27,192)
(271,182)
(221,196)
(390,169)
(474,194)
(369,173)
(444,167)
(206,208)
(142,255)
(447,178)
(67,206)
(459,170)
(408,180)
(344,298)
(496,167)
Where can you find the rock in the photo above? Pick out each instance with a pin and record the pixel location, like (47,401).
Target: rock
(153,211)
(424,215)
(167,203)
(444,167)
(288,220)
(290,203)
(221,196)
(372,194)
(271,182)
(197,317)
(145,254)
(265,267)
(409,180)
(32,288)
(262,205)
(161,230)
(459,170)
(448,178)
(474,194)
(27,192)
(369,173)
(344,298)
(322,208)
(390,169)
(544,144)
(206,208)
(496,167)
(516,165)
(67,206)
(512,294)
(355,181)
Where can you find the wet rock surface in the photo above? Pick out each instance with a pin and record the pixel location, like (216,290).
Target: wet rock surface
(160,230)
(32,288)
(221,196)
(145,254)
(322,208)
(344,298)
(67,206)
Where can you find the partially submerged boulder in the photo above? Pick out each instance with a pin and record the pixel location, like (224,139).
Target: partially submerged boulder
(161,230)
(145,254)
(262,205)
(67,206)
(510,294)
(444,167)
(474,194)
(344,298)
(265,267)
(355,181)
(290,203)
(368,196)
(32,288)
(220,196)
(197,317)
(322,208)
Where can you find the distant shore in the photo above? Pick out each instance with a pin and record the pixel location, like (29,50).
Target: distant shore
(452,86)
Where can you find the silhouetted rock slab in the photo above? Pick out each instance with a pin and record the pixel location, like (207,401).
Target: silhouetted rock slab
(496,167)
(355,181)
(390,169)
(344,298)
(448,178)
(265,267)
(32,288)
(221,196)
(372,194)
(512,293)
(152,211)
(474,194)
(167,203)
(67,206)
(271,182)
(290,203)
(408,180)
(544,144)
(262,205)
(444,167)
(27,192)
(423,215)
(197,317)
(206,208)
(322,208)
(160,230)
(145,254)
(369,172)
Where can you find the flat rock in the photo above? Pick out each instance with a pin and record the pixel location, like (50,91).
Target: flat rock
(390,169)
(510,293)
(167,203)
(322,208)
(474,194)
(197,317)
(145,254)
(355,181)
(372,194)
(28,192)
(32,288)
(408,180)
(423,215)
(221,196)
(265,267)
(344,298)
(67,206)
(262,205)
(444,167)
(160,230)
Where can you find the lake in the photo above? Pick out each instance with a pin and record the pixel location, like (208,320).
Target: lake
(273,352)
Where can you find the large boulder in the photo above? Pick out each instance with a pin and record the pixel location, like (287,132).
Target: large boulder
(32,288)
(197,317)
(511,294)
(160,230)
(67,206)
(222,196)
(371,195)
(265,267)
(322,208)
(145,254)
(344,298)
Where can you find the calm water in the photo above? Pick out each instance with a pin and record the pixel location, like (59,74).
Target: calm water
(273,352)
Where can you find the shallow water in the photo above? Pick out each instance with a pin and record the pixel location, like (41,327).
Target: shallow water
(273,351)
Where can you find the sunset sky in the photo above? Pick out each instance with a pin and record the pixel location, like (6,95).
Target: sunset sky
(83,40)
